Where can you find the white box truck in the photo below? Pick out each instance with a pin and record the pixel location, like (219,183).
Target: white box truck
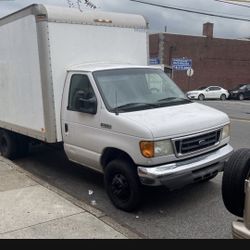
(81,79)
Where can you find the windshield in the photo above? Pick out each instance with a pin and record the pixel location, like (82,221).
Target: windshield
(242,87)
(125,90)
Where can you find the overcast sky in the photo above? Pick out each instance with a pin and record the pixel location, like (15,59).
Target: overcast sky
(175,21)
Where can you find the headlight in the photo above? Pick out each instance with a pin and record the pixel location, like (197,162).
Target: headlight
(154,149)
(225,132)
(163,148)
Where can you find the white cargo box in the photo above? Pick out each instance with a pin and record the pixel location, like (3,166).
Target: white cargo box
(37,46)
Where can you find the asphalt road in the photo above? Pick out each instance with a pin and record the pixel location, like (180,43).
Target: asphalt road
(194,212)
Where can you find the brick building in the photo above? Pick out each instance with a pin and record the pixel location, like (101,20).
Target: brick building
(216,61)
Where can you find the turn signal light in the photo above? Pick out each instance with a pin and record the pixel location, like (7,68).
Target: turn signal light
(147,149)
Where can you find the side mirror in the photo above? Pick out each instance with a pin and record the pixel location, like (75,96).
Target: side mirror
(87,105)
(207,90)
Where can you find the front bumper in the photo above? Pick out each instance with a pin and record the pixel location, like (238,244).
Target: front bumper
(240,231)
(192,96)
(178,174)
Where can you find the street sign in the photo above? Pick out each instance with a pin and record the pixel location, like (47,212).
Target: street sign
(154,61)
(190,72)
(181,63)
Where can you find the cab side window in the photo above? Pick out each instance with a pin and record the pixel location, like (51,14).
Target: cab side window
(214,88)
(80,90)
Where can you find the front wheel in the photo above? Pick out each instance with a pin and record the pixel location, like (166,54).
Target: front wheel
(236,171)
(122,184)
(201,97)
(241,97)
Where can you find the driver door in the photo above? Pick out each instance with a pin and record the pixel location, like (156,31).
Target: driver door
(78,124)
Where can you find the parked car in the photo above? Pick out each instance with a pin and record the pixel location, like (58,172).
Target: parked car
(210,92)
(236,191)
(241,92)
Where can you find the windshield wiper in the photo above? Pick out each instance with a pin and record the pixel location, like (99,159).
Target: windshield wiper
(135,105)
(178,99)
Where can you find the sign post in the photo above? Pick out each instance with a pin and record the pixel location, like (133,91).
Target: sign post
(190,73)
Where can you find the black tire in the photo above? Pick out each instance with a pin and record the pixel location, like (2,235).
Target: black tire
(8,144)
(122,184)
(223,97)
(241,97)
(201,97)
(236,171)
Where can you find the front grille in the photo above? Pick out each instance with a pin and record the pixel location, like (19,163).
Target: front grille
(196,143)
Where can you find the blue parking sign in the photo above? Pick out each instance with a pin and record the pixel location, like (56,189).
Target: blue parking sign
(181,63)
(154,61)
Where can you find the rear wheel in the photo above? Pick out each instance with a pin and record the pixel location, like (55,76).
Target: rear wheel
(8,144)
(122,184)
(13,145)
(223,97)
(201,97)
(236,171)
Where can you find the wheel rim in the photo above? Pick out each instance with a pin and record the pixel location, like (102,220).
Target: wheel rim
(201,97)
(3,146)
(241,97)
(223,97)
(120,187)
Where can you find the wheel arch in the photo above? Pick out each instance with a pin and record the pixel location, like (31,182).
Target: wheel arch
(203,96)
(241,94)
(112,153)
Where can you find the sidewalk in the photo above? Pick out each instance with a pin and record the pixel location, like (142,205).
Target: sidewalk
(30,209)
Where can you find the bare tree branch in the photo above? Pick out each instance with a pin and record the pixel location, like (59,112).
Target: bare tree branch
(79,3)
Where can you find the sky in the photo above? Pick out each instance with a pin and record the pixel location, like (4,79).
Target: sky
(161,19)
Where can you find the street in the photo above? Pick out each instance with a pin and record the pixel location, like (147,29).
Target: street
(196,211)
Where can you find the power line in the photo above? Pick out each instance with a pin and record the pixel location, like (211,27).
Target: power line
(242,1)
(193,11)
(236,4)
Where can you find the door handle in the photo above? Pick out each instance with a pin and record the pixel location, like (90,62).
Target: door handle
(66,128)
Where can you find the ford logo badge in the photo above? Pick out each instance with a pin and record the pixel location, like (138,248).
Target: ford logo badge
(202,142)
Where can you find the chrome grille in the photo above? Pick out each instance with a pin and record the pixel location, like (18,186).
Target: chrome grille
(196,143)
